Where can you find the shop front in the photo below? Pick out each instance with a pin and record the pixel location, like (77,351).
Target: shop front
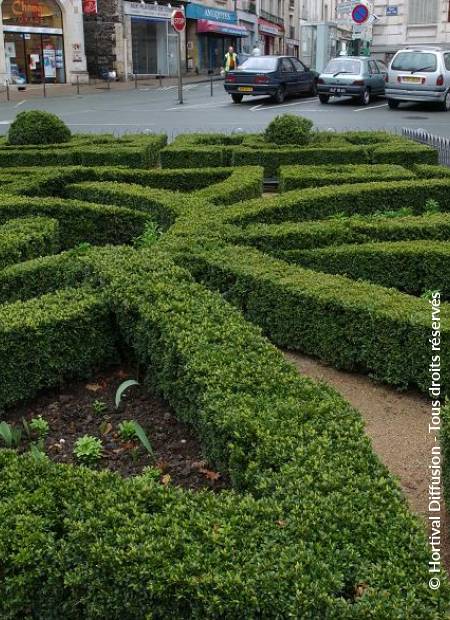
(41,42)
(271,37)
(152,42)
(214,32)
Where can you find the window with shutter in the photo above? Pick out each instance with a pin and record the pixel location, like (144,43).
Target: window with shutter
(423,11)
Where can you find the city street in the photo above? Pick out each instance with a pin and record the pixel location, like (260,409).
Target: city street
(157,110)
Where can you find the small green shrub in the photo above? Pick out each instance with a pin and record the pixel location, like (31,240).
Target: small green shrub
(99,407)
(11,435)
(39,426)
(289,129)
(38,127)
(88,449)
(127,430)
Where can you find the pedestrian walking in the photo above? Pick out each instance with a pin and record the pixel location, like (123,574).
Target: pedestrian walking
(231,60)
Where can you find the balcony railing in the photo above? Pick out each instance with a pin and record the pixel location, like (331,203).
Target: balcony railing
(272,18)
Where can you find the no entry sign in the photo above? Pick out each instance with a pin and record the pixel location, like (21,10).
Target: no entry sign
(178,20)
(360,14)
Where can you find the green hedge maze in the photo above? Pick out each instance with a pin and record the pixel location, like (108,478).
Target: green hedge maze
(337,265)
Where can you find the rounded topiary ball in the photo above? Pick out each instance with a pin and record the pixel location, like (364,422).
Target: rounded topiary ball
(36,127)
(289,129)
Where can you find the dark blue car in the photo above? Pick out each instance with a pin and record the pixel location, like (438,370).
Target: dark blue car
(277,76)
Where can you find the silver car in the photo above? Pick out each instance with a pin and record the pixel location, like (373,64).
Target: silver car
(419,75)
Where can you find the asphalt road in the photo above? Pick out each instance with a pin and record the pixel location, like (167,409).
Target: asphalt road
(158,110)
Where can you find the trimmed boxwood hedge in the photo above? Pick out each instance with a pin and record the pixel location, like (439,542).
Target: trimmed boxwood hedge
(410,266)
(77,543)
(275,238)
(348,148)
(135,151)
(299,177)
(314,526)
(47,340)
(361,199)
(27,238)
(78,221)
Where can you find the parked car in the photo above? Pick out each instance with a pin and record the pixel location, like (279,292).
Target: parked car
(277,76)
(419,74)
(360,77)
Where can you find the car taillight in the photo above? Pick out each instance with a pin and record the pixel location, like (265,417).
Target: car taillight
(358,83)
(440,80)
(230,78)
(321,81)
(261,79)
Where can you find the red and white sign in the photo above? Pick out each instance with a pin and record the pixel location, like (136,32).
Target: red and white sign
(90,7)
(178,20)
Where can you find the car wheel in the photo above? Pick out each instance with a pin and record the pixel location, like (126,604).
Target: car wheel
(365,97)
(313,90)
(393,103)
(237,98)
(324,98)
(280,94)
(445,105)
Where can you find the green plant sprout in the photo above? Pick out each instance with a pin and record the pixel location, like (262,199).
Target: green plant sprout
(127,430)
(149,237)
(88,449)
(432,206)
(99,407)
(39,426)
(11,435)
(122,388)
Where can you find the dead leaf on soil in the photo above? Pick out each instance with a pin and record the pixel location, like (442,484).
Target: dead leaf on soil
(198,464)
(211,475)
(93,387)
(360,589)
(281,523)
(165,479)
(106,428)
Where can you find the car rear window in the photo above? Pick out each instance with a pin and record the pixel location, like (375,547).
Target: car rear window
(343,65)
(415,61)
(259,64)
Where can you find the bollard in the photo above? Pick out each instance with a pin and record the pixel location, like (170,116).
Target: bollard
(45,88)
(7,91)
(78,84)
(109,82)
(135,80)
(160,80)
(212,91)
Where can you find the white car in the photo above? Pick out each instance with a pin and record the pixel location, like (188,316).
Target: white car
(419,75)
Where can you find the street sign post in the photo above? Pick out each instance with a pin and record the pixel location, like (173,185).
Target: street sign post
(360,14)
(178,21)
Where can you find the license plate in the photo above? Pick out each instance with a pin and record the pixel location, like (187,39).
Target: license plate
(337,90)
(245,89)
(412,79)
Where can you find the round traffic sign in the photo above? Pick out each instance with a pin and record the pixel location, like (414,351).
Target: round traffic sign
(178,20)
(360,14)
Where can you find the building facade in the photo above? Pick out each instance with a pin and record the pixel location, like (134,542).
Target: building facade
(402,23)
(42,41)
(323,33)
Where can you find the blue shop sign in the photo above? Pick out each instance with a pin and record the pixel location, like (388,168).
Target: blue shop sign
(199,11)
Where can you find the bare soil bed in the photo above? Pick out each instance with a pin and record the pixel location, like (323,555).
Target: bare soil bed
(88,408)
(397,423)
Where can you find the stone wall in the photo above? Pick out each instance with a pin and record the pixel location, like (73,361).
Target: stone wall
(100,37)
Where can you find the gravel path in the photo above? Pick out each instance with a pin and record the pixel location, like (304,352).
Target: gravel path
(396,422)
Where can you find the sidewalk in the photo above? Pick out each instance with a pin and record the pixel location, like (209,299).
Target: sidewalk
(38,91)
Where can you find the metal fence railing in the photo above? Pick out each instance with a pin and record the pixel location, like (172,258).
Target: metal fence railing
(442,145)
